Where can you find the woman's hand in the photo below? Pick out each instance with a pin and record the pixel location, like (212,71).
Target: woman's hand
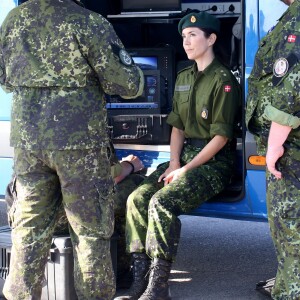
(174,175)
(173,166)
(273,154)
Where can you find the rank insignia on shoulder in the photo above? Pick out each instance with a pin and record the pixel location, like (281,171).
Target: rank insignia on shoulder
(292,38)
(227,88)
(125,57)
(280,67)
(204,113)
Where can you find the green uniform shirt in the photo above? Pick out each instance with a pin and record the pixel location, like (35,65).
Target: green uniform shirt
(274,88)
(58,59)
(206,103)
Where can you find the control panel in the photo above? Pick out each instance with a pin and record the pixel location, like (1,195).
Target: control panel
(215,7)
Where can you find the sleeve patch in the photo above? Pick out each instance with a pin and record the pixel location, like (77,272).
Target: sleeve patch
(227,88)
(123,55)
(282,66)
(292,38)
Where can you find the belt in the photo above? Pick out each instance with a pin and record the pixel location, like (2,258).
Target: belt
(199,143)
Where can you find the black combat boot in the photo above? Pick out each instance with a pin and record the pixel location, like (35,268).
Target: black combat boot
(158,287)
(140,268)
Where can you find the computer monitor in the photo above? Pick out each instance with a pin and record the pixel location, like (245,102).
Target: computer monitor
(159,71)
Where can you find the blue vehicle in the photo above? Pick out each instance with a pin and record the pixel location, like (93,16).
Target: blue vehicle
(139,126)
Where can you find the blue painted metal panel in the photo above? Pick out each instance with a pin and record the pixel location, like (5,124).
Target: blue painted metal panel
(253,206)
(251,31)
(256,191)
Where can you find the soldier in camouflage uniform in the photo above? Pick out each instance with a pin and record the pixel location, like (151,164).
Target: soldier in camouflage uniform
(273,116)
(58,59)
(125,183)
(205,107)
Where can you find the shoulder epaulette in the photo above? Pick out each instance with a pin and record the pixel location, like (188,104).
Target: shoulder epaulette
(223,73)
(184,69)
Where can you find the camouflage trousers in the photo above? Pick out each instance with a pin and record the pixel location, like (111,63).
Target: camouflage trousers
(122,191)
(84,178)
(152,223)
(283,201)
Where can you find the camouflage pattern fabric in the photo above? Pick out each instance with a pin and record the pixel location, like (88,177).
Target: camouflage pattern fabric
(284,219)
(152,223)
(122,190)
(35,214)
(274,95)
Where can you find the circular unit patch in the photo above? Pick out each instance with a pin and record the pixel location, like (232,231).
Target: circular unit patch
(281,67)
(125,57)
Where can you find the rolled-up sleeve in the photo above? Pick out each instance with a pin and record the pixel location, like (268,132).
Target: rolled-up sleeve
(284,108)
(115,170)
(275,115)
(175,121)
(225,109)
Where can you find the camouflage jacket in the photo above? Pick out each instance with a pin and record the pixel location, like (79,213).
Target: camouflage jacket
(274,83)
(59,59)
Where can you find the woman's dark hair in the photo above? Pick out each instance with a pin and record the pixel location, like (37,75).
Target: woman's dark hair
(208,32)
(218,50)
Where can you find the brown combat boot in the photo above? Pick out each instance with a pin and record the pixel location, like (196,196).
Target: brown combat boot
(140,268)
(158,287)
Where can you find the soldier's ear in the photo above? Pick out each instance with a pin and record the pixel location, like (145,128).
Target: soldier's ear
(212,39)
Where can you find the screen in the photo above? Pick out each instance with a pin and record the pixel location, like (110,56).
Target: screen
(146,62)
(151,5)
(149,100)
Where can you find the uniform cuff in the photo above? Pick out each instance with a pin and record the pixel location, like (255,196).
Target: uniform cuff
(275,115)
(221,129)
(175,121)
(116,170)
(141,86)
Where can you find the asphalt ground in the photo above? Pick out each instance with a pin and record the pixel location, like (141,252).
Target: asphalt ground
(221,259)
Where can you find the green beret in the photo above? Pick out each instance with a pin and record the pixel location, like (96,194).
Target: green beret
(201,20)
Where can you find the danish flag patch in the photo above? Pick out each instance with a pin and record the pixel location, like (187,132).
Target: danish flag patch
(227,88)
(292,38)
